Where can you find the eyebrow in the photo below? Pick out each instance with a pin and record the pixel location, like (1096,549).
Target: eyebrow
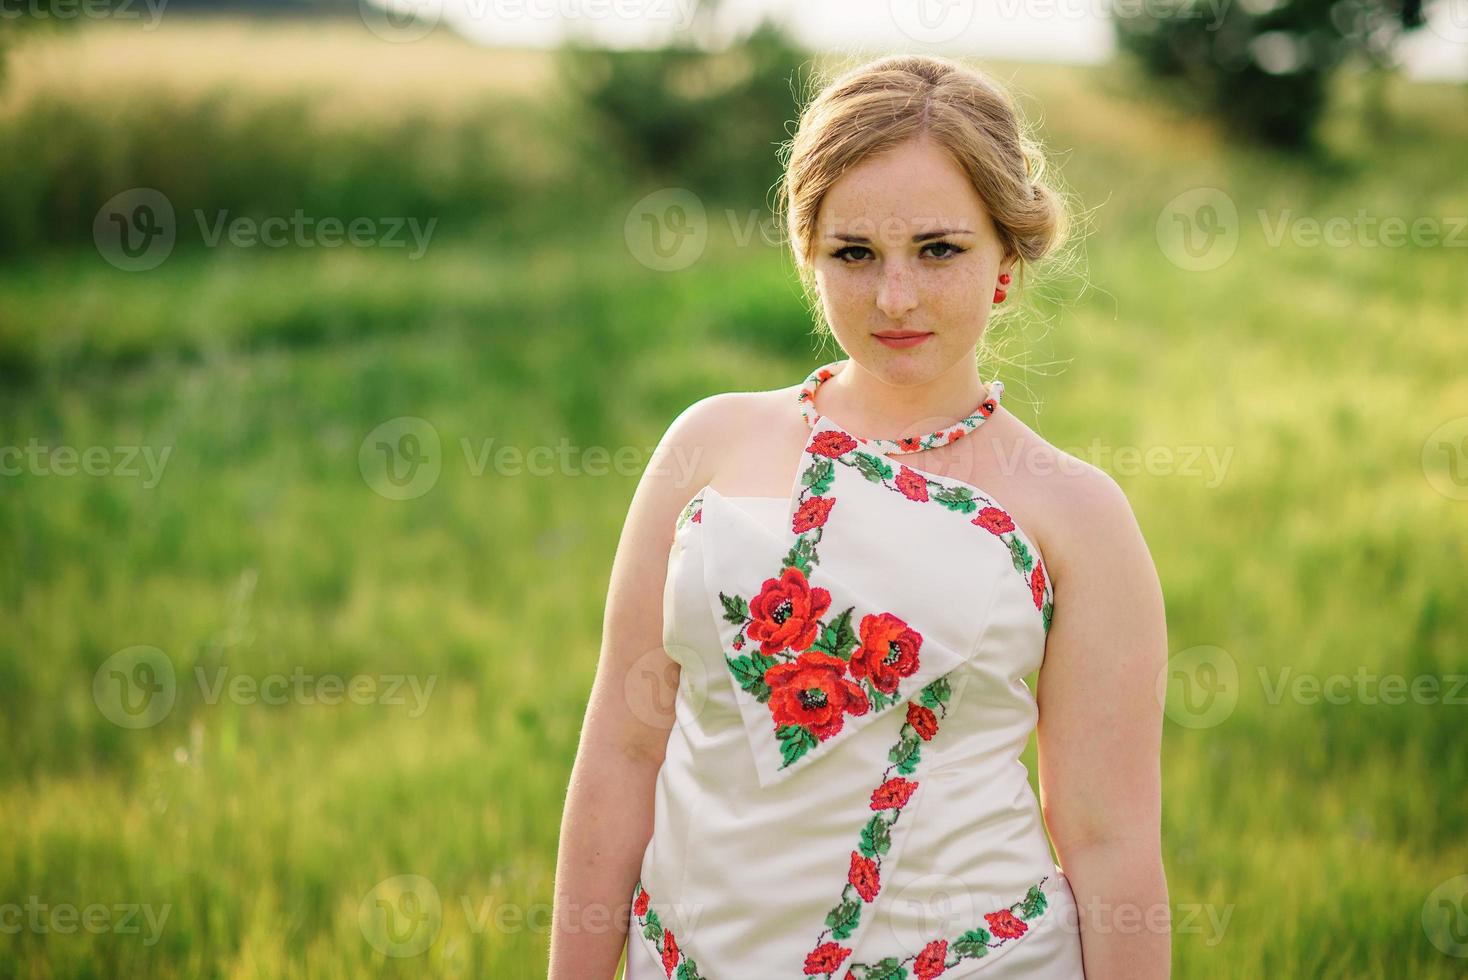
(920,237)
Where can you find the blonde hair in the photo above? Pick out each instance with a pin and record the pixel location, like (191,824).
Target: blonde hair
(883,103)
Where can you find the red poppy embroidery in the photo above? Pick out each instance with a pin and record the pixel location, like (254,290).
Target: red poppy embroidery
(1037,585)
(995,520)
(910,443)
(812,513)
(914,485)
(825,958)
(888,651)
(929,963)
(1004,925)
(787,611)
(670,952)
(832,443)
(923,721)
(673,957)
(864,875)
(812,692)
(893,794)
(697,517)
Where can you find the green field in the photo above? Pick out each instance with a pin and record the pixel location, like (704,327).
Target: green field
(1332,542)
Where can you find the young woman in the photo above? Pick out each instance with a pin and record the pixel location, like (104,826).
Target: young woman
(849,589)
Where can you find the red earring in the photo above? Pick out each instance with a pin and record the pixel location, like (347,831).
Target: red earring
(999,294)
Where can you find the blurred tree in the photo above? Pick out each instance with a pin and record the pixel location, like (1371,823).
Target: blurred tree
(1261,66)
(690,113)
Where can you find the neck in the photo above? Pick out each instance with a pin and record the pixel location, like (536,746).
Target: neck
(865,405)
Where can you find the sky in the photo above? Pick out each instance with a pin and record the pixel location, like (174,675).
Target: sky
(1075,31)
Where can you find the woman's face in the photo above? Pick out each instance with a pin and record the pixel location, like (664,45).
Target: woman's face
(904,244)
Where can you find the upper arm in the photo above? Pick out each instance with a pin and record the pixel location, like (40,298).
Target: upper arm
(631,703)
(1100,717)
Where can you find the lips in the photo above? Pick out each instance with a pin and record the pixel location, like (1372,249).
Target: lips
(901,334)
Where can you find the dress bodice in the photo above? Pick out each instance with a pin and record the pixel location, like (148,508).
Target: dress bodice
(842,793)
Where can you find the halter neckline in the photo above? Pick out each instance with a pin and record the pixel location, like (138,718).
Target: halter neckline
(806,398)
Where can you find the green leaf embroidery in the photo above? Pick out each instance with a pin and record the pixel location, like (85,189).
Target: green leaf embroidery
(818,476)
(959,499)
(889,968)
(972,944)
(749,672)
(876,836)
(907,753)
(1023,562)
(654,929)
(795,741)
(936,693)
(802,553)
(736,610)
(843,918)
(880,700)
(874,468)
(1034,903)
(838,638)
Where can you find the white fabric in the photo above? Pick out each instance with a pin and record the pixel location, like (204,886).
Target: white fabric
(749,855)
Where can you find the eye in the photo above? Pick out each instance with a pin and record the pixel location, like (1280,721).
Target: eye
(955,250)
(845,253)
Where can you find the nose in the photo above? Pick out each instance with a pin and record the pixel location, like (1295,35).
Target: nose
(897,292)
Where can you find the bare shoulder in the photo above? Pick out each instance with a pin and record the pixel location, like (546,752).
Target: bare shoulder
(719,433)
(1083,513)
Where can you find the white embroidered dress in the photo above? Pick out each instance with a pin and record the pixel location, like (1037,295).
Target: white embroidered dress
(842,794)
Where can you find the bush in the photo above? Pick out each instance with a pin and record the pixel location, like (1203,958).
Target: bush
(1263,68)
(681,115)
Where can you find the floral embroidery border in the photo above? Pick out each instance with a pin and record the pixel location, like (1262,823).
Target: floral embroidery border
(960,498)
(692,511)
(864,877)
(1004,925)
(673,958)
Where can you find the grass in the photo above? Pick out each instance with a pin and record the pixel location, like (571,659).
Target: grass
(1322,546)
